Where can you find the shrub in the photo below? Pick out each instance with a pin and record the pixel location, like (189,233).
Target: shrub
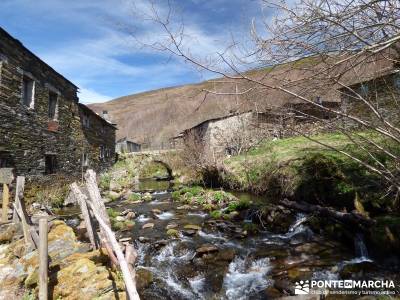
(112,213)
(216,214)
(134,197)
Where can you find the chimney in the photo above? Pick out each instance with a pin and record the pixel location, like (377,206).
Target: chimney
(105,115)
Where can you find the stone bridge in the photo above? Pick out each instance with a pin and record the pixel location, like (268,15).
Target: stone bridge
(167,158)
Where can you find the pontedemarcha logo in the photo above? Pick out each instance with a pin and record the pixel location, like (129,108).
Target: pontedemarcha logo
(302,287)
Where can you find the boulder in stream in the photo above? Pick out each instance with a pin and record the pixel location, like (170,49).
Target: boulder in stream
(205,249)
(192,227)
(148,225)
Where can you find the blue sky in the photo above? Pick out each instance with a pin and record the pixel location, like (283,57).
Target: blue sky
(90,41)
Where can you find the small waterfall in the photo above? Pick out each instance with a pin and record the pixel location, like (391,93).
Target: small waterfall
(359,246)
(244,278)
(300,219)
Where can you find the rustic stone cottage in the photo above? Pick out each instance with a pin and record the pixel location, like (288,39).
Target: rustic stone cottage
(125,145)
(43,128)
(235,133)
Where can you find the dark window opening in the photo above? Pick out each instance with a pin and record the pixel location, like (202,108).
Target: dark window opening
(28,92)
(50,164)
(86,120)
(53,105)
(85,159)
(101,152)
(5,160)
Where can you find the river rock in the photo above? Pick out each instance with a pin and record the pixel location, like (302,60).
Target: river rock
(82,279)
(206,248)
(189,232)
(173,233)
(7,232)
(148,225)
(113,195)
(125,212)
(143,239)
(184,207)
(156,211)
(131,215)
(147,196)
(192,227)
(227,254)
(171,226)
(143,278)
(357,269)
(119,219)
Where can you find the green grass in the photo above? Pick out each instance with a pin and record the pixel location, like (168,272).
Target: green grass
(301,167)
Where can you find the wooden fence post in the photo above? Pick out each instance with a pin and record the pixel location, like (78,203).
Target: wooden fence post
(86,215)
(6,197)
(43,259)
(19,211)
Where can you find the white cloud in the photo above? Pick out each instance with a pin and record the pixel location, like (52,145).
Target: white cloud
(89,96)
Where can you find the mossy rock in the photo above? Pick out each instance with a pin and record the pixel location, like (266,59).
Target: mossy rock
(82,280)
(192,227)
(173,233)
(144,278)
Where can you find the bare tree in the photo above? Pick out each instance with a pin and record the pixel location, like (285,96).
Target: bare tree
(344,50)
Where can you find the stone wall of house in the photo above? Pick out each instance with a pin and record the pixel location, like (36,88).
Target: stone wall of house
(99,140)
(234,134)
(30,139)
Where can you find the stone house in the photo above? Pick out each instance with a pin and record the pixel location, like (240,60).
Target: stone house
(235,133)
(43,128)
(126,145)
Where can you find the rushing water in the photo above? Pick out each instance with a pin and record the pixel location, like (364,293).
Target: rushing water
(239,266)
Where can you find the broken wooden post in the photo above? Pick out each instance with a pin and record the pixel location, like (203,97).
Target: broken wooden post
(43,259)
(99,211)
(6,195)
(103,236)
(19,211)
(130,284)
(81,199)
(6,178)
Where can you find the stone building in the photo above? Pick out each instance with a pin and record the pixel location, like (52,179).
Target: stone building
(235,133)
(126,145)
(43,128)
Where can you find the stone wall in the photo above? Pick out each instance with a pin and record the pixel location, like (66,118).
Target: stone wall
(234,134)
(33,140)
(99,140)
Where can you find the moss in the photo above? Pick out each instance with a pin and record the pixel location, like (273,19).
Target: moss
(216,214)
(238,205)
(250,227)
(134,197)
(172,233)
(112,213)
(104,182)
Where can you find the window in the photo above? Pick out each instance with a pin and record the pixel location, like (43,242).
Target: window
(50,164)
(85,159)
(28,92)
(5,160)
(53,106)
(101,152)
(86,120)
(364,89)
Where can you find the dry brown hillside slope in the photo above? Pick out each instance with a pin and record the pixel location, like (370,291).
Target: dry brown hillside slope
(158,115)
(161,114)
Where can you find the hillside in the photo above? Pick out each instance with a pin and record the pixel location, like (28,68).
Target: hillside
(158,115)
(161,114)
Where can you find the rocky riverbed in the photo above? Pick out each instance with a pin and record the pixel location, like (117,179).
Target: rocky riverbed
(185,253)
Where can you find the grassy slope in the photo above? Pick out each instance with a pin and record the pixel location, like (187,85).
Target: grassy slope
(280,164)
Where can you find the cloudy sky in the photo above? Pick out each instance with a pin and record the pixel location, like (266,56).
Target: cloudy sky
(94,42)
